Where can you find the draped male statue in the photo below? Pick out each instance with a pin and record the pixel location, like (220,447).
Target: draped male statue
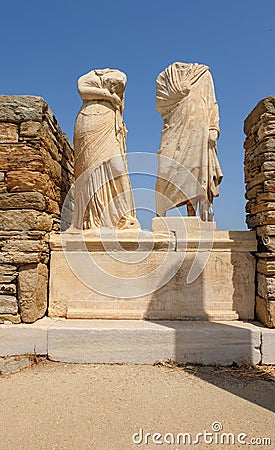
(188,168)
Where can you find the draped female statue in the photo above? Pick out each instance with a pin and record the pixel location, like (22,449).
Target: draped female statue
(103,195)
(188,172)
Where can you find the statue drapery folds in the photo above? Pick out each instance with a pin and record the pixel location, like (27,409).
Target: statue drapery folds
(189,172)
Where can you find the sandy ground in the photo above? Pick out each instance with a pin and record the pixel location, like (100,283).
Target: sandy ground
(79,407)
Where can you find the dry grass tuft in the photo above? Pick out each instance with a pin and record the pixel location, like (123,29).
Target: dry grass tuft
(245,370)
(174,366)
(242,371)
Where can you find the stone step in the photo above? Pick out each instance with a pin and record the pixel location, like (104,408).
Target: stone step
(140,342)
(146,342)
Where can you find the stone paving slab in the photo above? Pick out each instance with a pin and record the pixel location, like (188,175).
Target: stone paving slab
(18,339)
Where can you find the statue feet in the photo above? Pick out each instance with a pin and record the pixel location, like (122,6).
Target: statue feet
(128,223)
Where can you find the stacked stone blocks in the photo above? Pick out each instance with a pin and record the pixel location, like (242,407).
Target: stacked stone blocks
(36,172)
(259,128)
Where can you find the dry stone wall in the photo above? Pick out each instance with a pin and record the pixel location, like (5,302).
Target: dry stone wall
(36,172)
(259,128)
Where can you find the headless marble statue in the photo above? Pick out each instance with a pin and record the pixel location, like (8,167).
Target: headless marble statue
(103,195)
(188,168)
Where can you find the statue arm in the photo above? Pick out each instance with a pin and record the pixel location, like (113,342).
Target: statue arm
(214,129)
(214,117)
(89,91)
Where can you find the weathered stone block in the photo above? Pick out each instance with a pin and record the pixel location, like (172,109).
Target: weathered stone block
(266,130)
(22,245)
(50,145)
(23,200)
(252,193)
(257,180)
(266,105)
(8,304)
(23,234)
(53,169)
(267,146)
(52,206)
(68,150)
(54,193)
(250,174)
(30,129)
(266,266)
(265,311)
(266,230)
(261,207)
(264,178)
(267,243)
(32,291)
(262,218)
(25,180)
(268,165)
(8,132)
(251,222)
(269,185)
(250,142)
(23,108)
(53,126)
(266,196)
(14,318)
(15,248)
(8,273)
(25,220)
(266,286)
(20,257)
(20,156)
(259,148)
(8,289)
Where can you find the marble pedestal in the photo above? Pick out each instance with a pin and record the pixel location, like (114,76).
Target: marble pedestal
(183,270)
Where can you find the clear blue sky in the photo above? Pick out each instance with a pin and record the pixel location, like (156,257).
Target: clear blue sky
(46,46)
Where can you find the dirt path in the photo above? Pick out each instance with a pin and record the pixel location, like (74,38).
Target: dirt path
(68,406)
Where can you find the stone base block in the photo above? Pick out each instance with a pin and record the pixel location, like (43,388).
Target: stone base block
(144,342)
(24,338)
(159,275)
(268,346)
